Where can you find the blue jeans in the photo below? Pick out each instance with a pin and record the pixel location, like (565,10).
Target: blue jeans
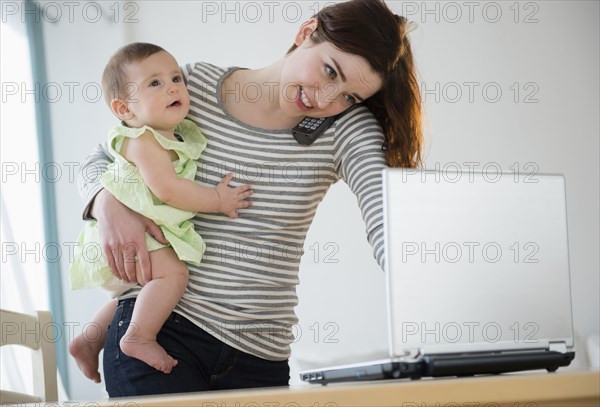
(205,363)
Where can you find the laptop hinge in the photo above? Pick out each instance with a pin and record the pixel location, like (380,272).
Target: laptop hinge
(560,347)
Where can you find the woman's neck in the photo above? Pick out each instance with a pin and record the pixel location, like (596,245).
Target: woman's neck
(253,96)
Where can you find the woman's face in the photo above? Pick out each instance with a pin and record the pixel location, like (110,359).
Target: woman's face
(319,80)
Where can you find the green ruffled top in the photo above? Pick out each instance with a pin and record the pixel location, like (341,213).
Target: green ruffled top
(123,179)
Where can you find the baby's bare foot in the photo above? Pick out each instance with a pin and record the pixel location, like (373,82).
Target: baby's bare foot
(148,351)
(86,356)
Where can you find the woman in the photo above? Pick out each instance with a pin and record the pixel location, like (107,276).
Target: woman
(232,327)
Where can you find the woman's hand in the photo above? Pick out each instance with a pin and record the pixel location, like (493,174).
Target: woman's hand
(123,237)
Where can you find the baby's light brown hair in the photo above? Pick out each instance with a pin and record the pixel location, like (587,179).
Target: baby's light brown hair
(114,78)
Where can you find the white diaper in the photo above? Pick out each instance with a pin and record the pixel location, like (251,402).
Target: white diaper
(116,287)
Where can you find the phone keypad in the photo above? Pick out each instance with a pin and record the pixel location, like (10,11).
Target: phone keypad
(310,123)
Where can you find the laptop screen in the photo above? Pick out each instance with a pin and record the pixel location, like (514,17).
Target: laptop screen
(476,261)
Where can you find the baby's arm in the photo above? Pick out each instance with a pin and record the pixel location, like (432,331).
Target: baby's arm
(156,169)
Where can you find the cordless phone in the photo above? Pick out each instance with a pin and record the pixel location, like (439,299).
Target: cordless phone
(309,129)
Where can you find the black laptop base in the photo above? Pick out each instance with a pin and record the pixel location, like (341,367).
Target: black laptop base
(445,365)
(474,364)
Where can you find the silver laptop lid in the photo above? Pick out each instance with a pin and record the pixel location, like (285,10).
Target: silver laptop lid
(476,261)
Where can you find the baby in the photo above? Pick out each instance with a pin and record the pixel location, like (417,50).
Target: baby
(155,150)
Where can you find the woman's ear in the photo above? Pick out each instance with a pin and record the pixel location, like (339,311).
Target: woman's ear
(121,109)
(306,30)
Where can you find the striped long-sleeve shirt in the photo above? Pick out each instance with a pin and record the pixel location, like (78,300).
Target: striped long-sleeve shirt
(244,291)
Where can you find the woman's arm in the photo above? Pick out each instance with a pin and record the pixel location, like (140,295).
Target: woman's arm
(156,169)
(122,230)
(88,178)
(359,161)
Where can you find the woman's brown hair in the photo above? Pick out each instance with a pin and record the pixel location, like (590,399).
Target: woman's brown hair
(368,28)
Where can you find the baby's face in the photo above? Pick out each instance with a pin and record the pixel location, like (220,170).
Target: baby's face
(157,94)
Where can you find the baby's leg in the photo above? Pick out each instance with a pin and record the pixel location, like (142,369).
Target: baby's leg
(154,304)
(86,347)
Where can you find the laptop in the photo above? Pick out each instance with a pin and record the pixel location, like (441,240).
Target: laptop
(477,276)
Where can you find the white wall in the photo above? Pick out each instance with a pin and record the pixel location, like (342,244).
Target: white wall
(342,303)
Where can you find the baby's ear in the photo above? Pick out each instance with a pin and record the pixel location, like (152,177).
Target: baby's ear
(121,109)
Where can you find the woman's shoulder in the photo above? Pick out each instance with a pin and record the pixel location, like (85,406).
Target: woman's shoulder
(358,116)
(204,71)
(206,67)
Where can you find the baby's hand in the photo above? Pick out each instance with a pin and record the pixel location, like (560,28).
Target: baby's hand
(232,199)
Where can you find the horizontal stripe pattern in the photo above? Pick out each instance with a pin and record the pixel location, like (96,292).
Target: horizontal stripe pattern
(244,291)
